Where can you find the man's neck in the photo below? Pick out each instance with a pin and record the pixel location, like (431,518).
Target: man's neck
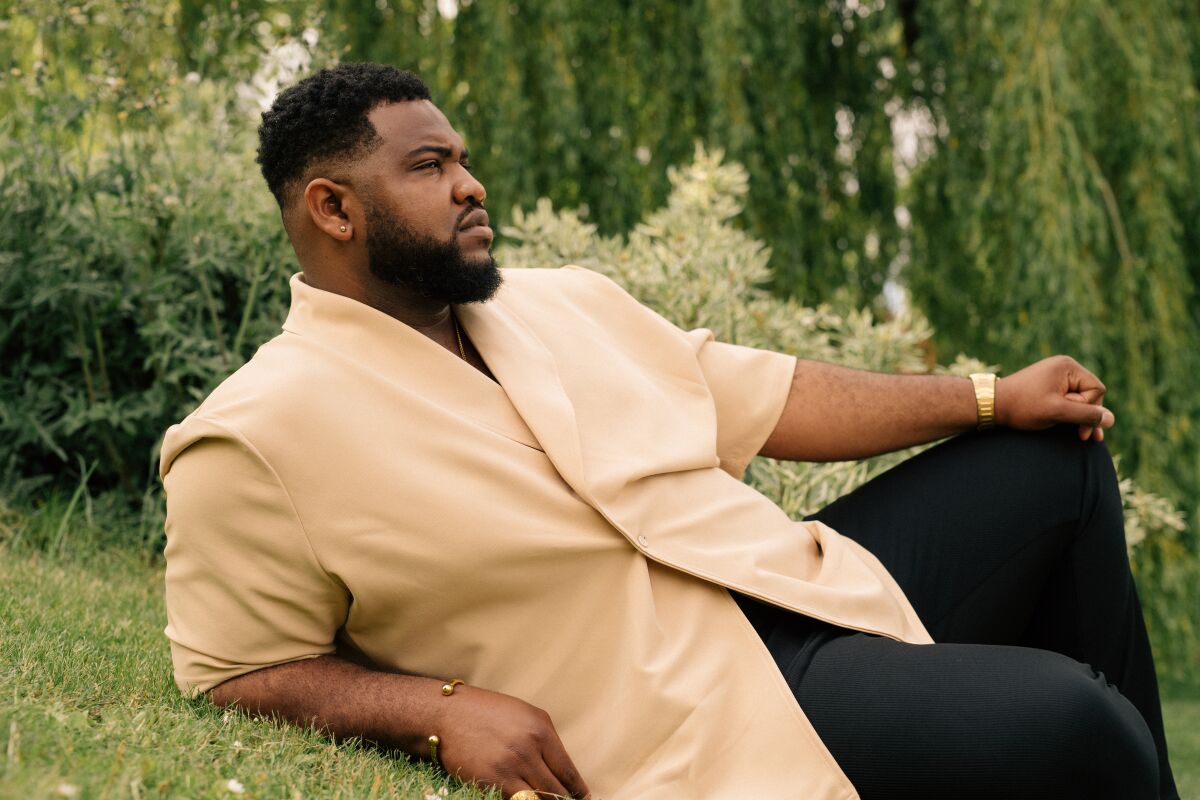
(430,318)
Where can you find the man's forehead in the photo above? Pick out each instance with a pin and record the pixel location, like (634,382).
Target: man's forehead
(410,124)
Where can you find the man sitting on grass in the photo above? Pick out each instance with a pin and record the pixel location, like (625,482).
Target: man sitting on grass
(496,520)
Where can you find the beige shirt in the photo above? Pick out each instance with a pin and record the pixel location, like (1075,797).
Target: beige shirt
(564,536)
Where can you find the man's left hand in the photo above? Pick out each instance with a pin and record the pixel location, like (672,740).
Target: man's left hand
(1052,391)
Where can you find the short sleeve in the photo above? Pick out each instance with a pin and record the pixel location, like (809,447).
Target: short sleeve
(244,589)
(749,388)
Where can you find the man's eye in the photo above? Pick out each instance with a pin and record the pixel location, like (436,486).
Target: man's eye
(428,164)
(465,165)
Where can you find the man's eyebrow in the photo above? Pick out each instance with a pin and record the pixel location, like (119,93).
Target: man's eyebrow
(444,152)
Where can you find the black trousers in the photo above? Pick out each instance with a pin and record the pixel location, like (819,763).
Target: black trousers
(1011,548)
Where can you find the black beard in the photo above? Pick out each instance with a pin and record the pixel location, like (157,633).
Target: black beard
(434,270)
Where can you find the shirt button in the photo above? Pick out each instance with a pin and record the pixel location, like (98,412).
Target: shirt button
(643,541)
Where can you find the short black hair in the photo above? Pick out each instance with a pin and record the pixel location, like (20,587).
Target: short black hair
(325,116)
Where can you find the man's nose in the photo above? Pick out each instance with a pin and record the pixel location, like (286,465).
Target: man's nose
(469,189)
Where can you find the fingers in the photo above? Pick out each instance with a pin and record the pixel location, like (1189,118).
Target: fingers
(1080,379)
(550,771)
(1085,431)
(564,769)
(511,745)
(1106,418)
(1085,415)
(1087,388)
(546,781)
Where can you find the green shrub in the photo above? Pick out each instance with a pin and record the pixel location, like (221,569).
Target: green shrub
(132,278)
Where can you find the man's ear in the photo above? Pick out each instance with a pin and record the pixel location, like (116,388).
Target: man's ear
(333,208)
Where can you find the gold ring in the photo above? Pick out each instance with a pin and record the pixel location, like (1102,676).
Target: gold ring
(525,794)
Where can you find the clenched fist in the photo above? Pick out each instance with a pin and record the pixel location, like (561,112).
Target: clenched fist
(1052,391)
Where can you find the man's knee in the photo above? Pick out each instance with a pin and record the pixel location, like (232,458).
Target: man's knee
(1055,464)
(1097,737)
(1059,446)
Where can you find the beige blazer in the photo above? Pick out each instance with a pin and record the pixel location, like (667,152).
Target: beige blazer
(564,536)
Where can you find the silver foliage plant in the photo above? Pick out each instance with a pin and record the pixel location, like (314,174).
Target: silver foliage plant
(688,262)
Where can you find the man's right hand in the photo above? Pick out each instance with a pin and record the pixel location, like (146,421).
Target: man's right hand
(498,740)
(486,737)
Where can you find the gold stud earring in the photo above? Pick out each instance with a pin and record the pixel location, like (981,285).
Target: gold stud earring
(342,228)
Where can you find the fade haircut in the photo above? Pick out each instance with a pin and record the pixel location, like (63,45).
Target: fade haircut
(324,117)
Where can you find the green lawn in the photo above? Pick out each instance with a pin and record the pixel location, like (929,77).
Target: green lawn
(1182,718)
(87,708)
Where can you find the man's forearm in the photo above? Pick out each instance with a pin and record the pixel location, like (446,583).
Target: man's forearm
(835,413)
(343,700)
(487,737)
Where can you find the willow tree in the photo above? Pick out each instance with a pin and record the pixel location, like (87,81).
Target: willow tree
(1060,211)
(588,101)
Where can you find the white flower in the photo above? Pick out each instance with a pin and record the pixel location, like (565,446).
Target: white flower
(311,36)
(235,786)
(65,789)
(280,66)
(290,59)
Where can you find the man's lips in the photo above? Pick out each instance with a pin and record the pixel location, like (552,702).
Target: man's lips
(477,218)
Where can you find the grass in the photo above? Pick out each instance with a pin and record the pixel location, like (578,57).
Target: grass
(87,708)
(1181,713)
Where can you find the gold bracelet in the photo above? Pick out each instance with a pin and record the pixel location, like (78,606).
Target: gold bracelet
(985,399)
(434,740)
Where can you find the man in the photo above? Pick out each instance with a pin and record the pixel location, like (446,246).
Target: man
(533,489)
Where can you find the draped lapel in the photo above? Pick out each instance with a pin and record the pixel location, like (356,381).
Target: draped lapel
(526,369)
(529,404)
(404,358)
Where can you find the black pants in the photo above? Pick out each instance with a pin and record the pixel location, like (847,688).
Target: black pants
(1041,685)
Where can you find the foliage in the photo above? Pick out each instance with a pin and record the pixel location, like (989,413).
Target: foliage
(132,276)
(583,102)
(1058,210)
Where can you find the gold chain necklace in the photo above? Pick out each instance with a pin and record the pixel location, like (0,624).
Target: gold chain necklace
(458,335)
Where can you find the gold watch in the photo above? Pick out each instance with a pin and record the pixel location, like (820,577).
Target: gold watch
(985,399)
